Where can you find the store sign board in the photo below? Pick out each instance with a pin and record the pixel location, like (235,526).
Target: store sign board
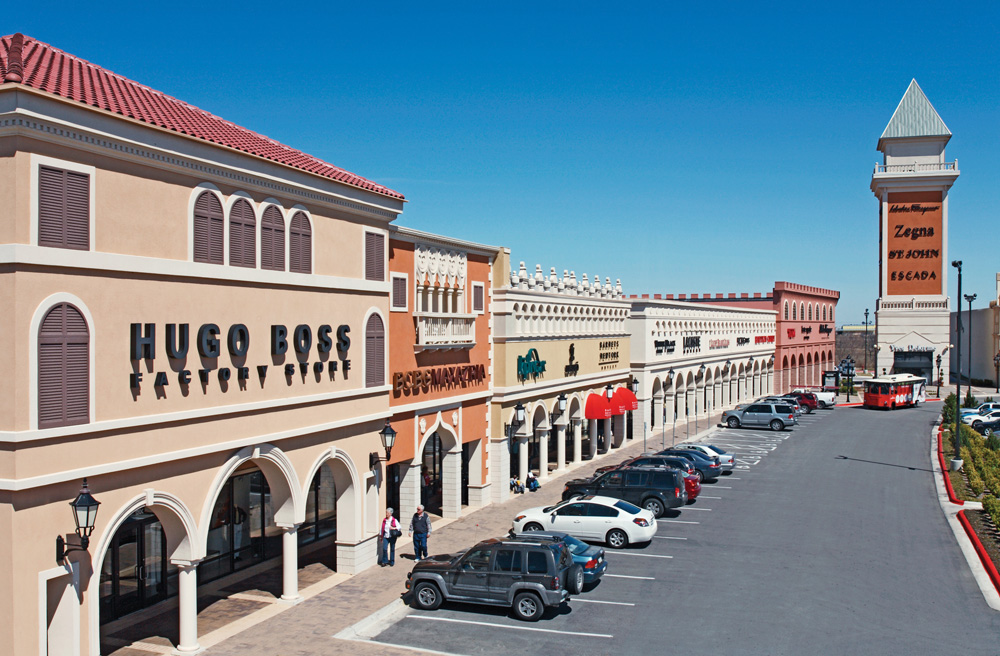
(742,341)
(664,346)
(913,232)
(423,380)
(209,341)
(692,343)
(573,368)
(608,355)
(530,366)
(765,339)
(717,344)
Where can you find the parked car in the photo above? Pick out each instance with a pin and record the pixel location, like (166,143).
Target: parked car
(587,556)
(773,415)
(975,420)
(825,398)
(589,517)
(707,469)
(784,400)
(725,459)
(987,428)
(654,489)
(693,486)
(651,460)
(807,400)
(525,575)
(981,409)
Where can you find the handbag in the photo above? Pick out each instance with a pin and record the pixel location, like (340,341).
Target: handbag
(394,533)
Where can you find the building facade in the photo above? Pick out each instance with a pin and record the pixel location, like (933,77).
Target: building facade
(912,185)
(980,341)
(561,372)
(693,359)
(804,340)
(440,362)
(194,323)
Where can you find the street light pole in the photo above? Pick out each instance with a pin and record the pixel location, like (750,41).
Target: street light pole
(996,367)
(939,375)
(866,339)
(970,298)
(958,361)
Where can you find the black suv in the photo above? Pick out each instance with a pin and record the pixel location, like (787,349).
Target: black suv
(651,460)
(524,575)
(652,488)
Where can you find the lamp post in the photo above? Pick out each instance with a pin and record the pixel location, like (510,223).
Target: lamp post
(866,339)
(85,516)
(673,436)
(970,298)
(996,369)
(938,360)
(956,462)
(701,374)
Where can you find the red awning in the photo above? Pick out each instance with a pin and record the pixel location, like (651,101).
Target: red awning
(597,407)
(623,400)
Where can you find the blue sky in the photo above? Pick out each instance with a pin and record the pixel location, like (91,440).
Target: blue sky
(695,148)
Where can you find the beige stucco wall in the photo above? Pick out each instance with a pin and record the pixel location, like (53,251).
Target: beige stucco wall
(555,353)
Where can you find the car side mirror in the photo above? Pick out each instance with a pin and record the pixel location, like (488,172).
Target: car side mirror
(552,517)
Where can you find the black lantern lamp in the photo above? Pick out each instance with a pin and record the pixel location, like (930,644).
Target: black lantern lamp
(609,391)
(561,403)
(519,413)
(388,437)
(85,516)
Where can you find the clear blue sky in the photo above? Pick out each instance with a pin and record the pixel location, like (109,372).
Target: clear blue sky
(681,147)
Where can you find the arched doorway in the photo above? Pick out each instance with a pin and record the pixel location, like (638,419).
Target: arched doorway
(432,474)
(441,471)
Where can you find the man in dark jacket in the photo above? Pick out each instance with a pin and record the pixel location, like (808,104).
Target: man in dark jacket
(420,528)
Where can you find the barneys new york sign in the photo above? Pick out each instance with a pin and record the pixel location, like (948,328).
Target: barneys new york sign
(142,346)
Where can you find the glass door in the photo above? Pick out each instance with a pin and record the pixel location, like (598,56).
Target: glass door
(127,549)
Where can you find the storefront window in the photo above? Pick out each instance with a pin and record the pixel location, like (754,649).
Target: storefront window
(321,508)
(242,530)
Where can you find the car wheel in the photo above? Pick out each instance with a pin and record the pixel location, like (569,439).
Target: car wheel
(574,579)
(427,596)
(776,425)
(976,424)
(809,410)
(528,607)
(701,477)
(733,422)
(822,404)
(532,526)
(654,506)
(987,432)
(617,538)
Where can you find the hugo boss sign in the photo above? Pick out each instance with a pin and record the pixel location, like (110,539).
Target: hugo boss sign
(210,340)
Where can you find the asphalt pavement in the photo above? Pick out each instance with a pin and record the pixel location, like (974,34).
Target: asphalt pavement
(827,539)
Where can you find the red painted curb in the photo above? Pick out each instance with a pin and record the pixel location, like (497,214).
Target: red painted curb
(944,471)
(983,556)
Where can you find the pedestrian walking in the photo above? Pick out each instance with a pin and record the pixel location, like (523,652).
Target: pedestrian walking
(420,528)
(387,539)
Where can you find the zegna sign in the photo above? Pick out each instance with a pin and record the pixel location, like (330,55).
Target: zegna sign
(209,341)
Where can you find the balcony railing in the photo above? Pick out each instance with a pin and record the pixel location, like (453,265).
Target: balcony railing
(917,167)
(437,330)
(914,304)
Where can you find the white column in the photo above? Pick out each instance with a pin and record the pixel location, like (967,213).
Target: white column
(577,441)
(500,469)
(607,435)
(409,489)
(543,454)
(560,447)
(522,453)
(451,483)
(187,593)
(593,438)
(290,564)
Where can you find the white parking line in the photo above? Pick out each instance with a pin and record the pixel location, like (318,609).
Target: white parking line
(598,601)
(676,521)
(720,487)
(510,626)
(701,509)
(704,497)
(619,553)
(667,537)
(623,576)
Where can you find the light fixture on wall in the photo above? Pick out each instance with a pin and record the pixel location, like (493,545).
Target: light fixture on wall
(561,403)
(388,437)
(519,413)
(85,516)
(609,391)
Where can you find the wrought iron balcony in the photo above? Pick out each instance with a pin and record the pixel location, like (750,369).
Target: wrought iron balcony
(437,330)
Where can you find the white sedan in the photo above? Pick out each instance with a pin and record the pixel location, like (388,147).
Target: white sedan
(725,459)
(600,519)
(975,420)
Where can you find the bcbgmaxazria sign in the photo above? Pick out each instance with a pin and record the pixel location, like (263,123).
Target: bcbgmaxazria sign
(210,341)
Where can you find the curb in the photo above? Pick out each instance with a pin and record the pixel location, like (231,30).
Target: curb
(370,626)
(944,470)
(980,550)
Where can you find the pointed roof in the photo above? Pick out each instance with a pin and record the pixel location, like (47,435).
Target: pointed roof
(29,62)
(914,117)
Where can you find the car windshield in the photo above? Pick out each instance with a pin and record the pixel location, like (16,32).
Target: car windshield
(627,507)
(557,506)
(575,546)
(717,450)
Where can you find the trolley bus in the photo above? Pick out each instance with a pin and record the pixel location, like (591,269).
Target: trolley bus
(895,391)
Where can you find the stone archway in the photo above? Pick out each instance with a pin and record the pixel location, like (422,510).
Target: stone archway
(442,439)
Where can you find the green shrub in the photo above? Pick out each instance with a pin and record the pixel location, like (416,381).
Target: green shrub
(992,507)
(988,399)
(970,401)
(993,442)
(948,411)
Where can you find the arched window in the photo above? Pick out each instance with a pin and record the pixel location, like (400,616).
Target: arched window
(208,229)
(272,240)
(300,244)
(810,312)
(374,352)
(63,368)
(802,311)
(242,235)
(795,312)
(824,313)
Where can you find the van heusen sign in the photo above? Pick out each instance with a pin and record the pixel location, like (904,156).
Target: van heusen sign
(209,341)
(910,349)
(422,380)
(530,366)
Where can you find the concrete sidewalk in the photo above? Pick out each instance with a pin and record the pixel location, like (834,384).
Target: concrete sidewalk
(308,628)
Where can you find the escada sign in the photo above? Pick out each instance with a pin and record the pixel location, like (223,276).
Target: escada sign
(530,366)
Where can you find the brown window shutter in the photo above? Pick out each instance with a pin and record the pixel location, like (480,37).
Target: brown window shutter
(477,299)
(374,352)
(300,244)
(208,224)
(272,240)
(242,235)
(399,293)
(63,368)
(374,256)
(63,208)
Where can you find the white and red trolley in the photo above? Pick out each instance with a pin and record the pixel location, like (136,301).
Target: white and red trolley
(895,391)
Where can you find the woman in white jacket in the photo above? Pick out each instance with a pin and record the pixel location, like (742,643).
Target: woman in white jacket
(387,537)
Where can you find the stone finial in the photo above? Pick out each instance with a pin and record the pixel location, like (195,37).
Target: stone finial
(522,277)
(585,286)
(618,288)
(547,283)
(596,286)
(564,282)
(539,276)
(572,282)
(553,278)
(607,287)
(513,279)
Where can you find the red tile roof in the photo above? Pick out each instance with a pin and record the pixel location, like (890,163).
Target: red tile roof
(24,60)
